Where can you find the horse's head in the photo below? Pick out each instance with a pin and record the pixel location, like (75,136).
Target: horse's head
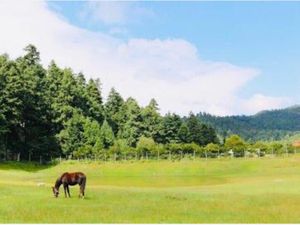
(55,192)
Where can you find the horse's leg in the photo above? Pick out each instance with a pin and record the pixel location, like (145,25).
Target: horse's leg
(65,189)
(80,192)
(82,186)
(68,191)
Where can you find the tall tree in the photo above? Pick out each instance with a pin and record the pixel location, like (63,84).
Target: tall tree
(72,137)
(80,95)
(184,133)
(95,103)
(107,135)
(113,107)
(54,84)
(10,104)
(34,128)
(151,120)
(132,129)
(169,129)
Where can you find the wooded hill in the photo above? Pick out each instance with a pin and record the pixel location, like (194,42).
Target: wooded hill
(265,125)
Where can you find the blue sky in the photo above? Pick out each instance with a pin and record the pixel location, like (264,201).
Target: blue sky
(264,35)
(255,44)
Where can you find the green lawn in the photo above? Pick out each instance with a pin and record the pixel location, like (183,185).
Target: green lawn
(265,190)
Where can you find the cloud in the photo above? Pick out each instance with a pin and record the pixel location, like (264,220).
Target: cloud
(259,102)
(113,12)
(169,70)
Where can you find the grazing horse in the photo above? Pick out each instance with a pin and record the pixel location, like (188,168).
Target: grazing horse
(67,179)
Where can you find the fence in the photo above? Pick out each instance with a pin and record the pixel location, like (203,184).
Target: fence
(111,157)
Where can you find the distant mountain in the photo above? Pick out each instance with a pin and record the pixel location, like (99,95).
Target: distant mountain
(265,125)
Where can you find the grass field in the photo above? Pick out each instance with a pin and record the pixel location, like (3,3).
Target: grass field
(265,190)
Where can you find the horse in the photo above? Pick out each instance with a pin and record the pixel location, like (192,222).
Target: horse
(67,179)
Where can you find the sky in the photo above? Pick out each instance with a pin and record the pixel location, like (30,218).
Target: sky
(225,58)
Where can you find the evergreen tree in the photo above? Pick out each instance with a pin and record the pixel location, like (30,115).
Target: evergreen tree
(94,102)
(113,107)
(34,129)
(184,133)
(195,129)
(10,86)
(151,120)
(54,83)
(92,132)
(169,129)
(62,101)
(133,127)
(72,137)
(107,135)
(208,135)
(200,133)
(80,95)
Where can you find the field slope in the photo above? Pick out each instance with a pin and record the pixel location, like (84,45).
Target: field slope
(213,191)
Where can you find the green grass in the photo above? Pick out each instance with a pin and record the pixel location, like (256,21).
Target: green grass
(265,190)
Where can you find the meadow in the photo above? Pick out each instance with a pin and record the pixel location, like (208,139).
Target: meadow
(255,190)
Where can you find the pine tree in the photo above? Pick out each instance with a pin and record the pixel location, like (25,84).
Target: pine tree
(107,135)
(94,102)
(54,84)
(195,129)
(151,120)
(132,129)
(72,137)
(113,107)
(169,129)
(34,128)
(80,95)
(91,132)
(184,133)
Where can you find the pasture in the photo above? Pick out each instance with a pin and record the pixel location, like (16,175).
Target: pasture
(258,190)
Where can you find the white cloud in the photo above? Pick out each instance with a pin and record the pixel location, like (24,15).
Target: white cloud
(169,70)
(113,12)
(260,102)
(107,12)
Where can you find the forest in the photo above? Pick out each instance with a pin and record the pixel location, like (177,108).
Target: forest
(46,113)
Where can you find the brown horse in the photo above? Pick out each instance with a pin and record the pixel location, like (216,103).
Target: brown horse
(67,179)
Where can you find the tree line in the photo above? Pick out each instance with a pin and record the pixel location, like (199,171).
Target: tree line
(52,112)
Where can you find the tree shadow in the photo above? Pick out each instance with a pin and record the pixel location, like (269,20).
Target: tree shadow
(26,166)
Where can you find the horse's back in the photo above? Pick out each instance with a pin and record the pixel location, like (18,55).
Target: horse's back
(79,174)
(73,178)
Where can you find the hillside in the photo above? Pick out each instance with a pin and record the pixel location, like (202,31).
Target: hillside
(265,125)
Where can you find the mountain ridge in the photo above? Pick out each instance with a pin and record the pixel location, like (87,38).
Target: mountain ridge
(265,125)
